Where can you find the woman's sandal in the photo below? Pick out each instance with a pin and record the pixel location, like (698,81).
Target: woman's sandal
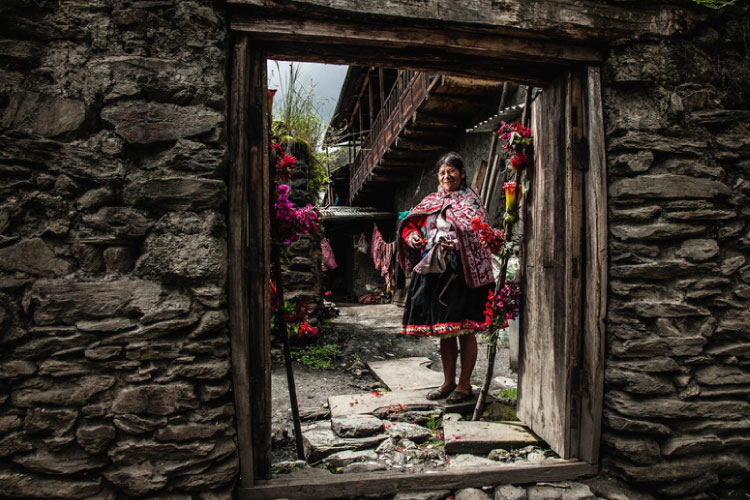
(439,394)
(457,397)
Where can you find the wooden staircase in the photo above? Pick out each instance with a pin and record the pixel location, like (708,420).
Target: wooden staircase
(419,121)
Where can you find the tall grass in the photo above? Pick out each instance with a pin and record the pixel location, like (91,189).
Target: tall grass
(296,119)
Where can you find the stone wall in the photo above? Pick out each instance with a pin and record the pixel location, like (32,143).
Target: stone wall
(114,349)
(677,112)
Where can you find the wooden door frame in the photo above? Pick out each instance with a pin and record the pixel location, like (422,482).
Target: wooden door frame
(253,40)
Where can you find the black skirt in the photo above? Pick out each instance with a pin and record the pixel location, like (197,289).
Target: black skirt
(443,304)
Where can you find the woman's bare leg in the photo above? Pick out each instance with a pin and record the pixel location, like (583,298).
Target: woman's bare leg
(468,343)
(449,356)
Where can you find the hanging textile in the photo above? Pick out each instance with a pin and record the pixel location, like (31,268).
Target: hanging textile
(328,261)
(382,252)
(361,245)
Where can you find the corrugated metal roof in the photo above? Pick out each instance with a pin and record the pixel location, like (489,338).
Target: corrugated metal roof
(353,214)
(492,123)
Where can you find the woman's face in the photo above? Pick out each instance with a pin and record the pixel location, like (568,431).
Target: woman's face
(450,177)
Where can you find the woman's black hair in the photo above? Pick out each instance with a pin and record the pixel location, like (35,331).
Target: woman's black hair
(454,160)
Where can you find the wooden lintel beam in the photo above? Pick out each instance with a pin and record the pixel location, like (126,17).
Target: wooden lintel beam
(567,21)
(385,483)
(538,75)
(485,44)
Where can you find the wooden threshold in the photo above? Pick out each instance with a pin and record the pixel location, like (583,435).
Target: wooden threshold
(384,483)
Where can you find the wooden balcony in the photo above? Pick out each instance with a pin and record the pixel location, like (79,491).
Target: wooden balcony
(418,121)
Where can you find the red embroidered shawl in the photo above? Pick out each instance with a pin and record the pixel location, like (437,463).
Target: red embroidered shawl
(461,206)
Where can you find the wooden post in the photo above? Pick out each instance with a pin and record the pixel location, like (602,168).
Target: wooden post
(575,161)
(258,264)
(487,183)
(526,113)
(381,85)
(237,282)
(595,273)
(371,111)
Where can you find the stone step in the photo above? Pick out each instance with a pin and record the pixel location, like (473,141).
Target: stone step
(319,441)
(406,373)
(369,402)
(482,437)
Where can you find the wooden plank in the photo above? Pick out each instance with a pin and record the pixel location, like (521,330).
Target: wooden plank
(542,376)
(415,59)
(237,283)
(504,48)
(558,19)
(479,173)
(388,483)
(432,120)
(416,145)
(595,272)
(575,163)
(259,263)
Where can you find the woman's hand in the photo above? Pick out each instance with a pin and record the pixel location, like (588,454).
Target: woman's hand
(448,244)
(416,241)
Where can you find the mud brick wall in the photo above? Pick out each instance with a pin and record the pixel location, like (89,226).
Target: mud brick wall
(677,382)
(114,349)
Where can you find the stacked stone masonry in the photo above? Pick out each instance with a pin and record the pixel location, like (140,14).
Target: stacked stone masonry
(114,352)
(114,348)
(677,379)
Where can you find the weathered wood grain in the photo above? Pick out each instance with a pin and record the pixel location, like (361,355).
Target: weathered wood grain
(259,262)
(393,36)
(417,59)
(237,279)
(575,163)
(595,273)
(385,483)
(585,20)
(542,376)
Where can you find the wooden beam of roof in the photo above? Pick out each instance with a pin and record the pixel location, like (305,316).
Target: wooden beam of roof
(431,61)
(415,145)
(565,20)
(484,43)
(422,119)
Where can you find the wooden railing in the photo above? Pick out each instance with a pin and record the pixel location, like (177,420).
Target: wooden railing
(409,91)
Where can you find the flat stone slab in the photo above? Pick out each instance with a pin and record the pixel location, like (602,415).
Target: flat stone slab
(319,441)
(482,437)
(406,373)
(353,426)
(369,402)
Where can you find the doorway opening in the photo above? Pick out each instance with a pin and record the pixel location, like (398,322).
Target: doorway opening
(561,384)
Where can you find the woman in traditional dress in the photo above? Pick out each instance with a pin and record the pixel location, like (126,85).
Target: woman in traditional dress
(452,274)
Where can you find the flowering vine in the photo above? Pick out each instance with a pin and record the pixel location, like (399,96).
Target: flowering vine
(288,224)
(295,314)
(291,223)
(517,141)
(491,238)
(504,302)
(501,307)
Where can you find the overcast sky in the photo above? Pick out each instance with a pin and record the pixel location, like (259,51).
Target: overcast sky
(326,80)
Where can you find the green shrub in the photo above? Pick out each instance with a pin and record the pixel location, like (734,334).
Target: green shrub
(318,357)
